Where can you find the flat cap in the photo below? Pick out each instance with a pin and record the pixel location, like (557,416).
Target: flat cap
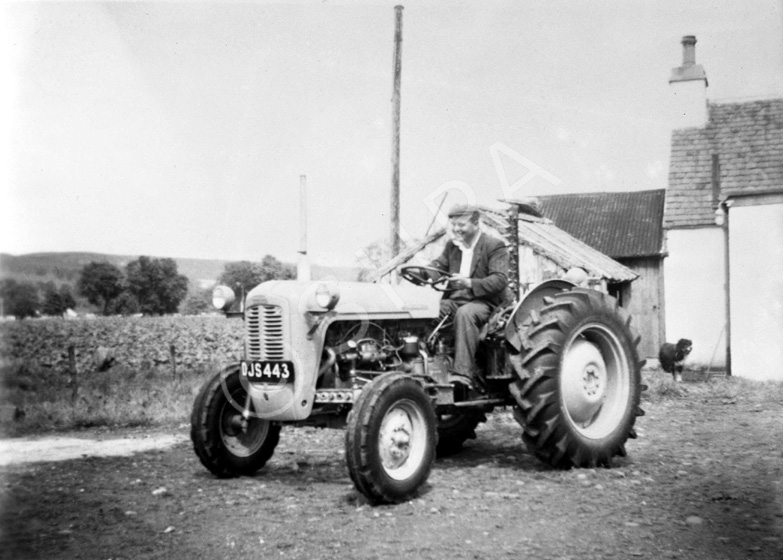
(463,210)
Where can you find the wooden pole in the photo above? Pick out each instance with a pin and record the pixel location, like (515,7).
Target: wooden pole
(395,193)
(173,354)
(303,264)
(303,214)
(73,371)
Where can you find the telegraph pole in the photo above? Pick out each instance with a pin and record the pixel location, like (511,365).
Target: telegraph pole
(395,192)
(303,268)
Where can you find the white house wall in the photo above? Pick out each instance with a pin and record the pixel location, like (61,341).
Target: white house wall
(756,261)
(695,297)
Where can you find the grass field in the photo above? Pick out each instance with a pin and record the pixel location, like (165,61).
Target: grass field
(125,396)
(121,396)
(43,389)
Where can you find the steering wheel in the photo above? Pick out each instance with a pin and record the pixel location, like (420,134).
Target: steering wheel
(421,276)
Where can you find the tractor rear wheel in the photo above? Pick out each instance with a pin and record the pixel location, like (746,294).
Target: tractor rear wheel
(578,380)
(455,429)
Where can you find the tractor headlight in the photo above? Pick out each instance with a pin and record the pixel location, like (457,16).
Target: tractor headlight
(222,297)
(327,296)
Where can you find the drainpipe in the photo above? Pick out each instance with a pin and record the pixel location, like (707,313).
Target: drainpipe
(727,272)
(722,220)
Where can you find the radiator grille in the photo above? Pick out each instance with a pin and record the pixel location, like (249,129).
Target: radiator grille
(264,332)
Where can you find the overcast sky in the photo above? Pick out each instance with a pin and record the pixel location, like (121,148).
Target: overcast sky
(182,129)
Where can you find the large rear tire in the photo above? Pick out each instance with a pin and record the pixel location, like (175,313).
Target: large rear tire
(578,380)
(390,439)
(225,444)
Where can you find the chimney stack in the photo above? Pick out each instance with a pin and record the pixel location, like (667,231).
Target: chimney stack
(688,50)
(689,88)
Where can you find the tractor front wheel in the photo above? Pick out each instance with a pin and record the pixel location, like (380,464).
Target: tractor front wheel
(390,439)
(227,443)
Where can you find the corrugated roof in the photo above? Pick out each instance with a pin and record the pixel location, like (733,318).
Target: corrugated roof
(618,224)
(748,140)
(545,238)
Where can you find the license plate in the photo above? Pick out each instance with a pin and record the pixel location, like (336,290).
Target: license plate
(267,371)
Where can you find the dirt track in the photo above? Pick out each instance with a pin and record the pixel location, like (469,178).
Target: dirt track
(63,448)
(703,481)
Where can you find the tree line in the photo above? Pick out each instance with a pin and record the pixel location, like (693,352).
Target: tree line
(25,299)
(147,285)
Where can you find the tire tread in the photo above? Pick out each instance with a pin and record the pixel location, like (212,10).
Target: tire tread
(545,429)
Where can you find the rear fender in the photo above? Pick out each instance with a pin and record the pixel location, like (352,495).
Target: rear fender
(532,301)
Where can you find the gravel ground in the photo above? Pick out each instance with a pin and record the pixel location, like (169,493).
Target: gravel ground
(703,481)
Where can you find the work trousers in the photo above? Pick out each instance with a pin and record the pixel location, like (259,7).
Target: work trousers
(469,318)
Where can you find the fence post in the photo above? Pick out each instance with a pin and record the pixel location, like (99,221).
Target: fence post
(73,371)
(173,354)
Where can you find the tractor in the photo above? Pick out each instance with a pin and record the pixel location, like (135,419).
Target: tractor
(374,359)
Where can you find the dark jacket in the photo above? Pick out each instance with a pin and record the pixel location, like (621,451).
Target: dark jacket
(488,271)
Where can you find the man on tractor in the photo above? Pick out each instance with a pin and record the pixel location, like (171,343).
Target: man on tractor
(477,265)
(564,357)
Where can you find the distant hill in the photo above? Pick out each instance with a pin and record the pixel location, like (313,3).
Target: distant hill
(65,267)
